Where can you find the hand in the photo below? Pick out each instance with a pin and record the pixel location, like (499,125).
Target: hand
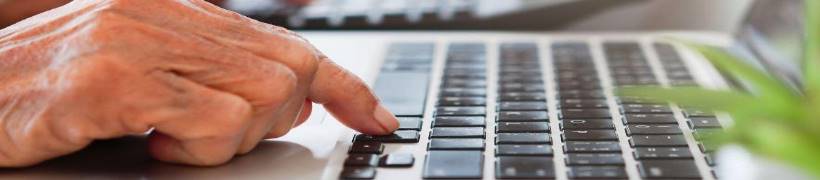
(209,82)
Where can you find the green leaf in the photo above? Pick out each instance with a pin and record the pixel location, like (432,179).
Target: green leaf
(811,53)
(781,142)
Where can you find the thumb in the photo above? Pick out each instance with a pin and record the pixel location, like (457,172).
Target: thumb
(349,99)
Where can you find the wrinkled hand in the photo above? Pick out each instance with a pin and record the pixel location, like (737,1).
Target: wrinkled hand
(210,82)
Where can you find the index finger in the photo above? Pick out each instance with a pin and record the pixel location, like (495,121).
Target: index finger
(350,100)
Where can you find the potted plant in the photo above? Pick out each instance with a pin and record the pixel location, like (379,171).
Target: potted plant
(772,119)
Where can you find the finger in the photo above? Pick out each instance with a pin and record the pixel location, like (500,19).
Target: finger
(279,124)
(305,113)
(208,128)
(348,99)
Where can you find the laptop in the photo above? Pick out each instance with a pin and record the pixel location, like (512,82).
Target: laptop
(500,105)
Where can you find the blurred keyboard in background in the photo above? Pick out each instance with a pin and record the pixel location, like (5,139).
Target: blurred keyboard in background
(423,14)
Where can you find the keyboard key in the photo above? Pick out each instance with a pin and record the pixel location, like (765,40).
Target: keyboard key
(522,127)
(707,147)
(453,164)
(652,129)
(690,113)
(462,101)
(522,138)
(677,169)
(522,106)
(643,109)
(601,172)
(710,159)
(523,116)
(573,159)
(457,132)
(585,114)
(459,121)
(581,94)
(464,83)
(522,87)
(584,103)
(649,119)
(399,136)
(701,134)
(409,123)
(515,167)
(589,135)
(397,160)
(463,92)
(522,96)
(461,111)
(662,153)
(591,146)
(657,140)
(703,122)
(403,93)
(358,172)
(366,147)
(362,160)
(580,124)
(523,150)
(456,144)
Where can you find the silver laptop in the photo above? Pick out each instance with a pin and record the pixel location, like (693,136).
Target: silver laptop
(500,105)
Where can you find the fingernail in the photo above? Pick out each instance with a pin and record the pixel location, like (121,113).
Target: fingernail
(388,121)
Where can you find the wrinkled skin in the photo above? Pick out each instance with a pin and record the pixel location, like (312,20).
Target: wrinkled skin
(207,83)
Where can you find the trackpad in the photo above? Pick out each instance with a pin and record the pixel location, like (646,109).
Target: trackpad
(302,154)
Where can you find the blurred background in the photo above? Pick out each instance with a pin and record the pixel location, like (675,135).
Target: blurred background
(530,15)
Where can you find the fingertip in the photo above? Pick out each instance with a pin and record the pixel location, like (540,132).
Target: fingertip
(385,119)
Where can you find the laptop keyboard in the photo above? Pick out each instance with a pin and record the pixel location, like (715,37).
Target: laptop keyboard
(589,136)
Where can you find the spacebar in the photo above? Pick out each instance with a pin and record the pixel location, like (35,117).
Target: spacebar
(403,92)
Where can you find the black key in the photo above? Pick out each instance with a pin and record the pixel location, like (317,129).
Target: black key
(523,150)
(366,147)
(362,160)
(657,140)
(522,106)
(703,122)
(701,134)
(461,111)
(523,116)
(522,87)
(584,86)
(397,160)
(589,135)
(459,121)
(403,93)
(645,109)
(464,83)
(652,129)
(457,132)
(710,159)
(400,136)
(358,172)
(583,103)
(514,167)
(581,94)
(522,138)
(585,114)
(690,113)
(662,153)
(453,164)
(678,169)
(409,123)
(463,92)
(596,172)
(522,127)
(649,119)
(522,96)
(523,79)
(574,159)
(575,124)
(456,144)
(591,146)
(462,101)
